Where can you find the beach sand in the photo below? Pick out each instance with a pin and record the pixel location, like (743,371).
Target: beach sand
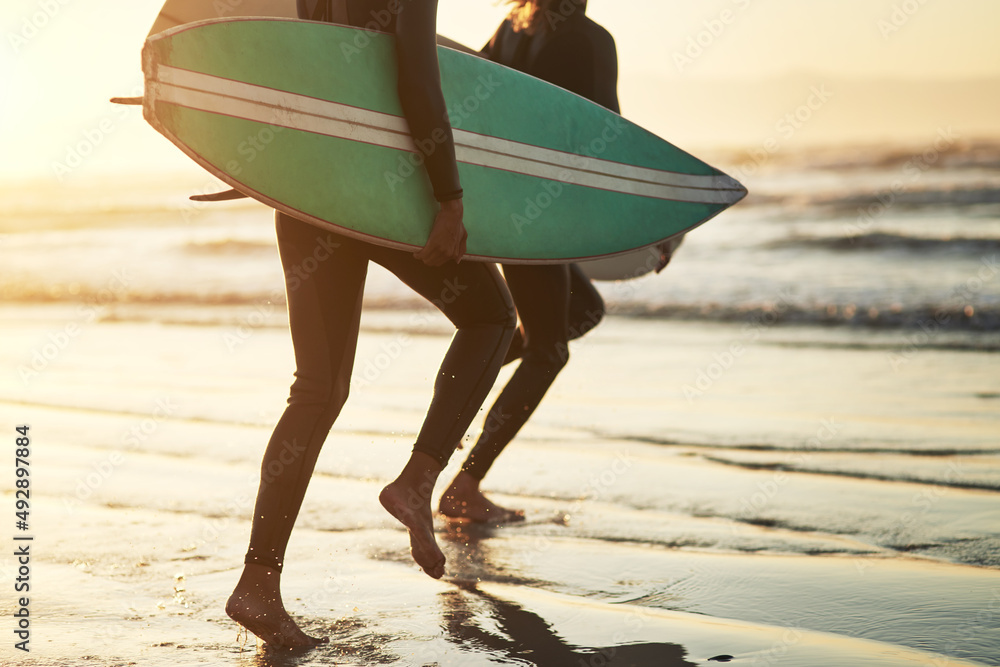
(798,502)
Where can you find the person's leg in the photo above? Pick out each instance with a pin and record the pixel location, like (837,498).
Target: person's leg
(542,297)
(586,310)
(586,307)
(474,297)
(324,281)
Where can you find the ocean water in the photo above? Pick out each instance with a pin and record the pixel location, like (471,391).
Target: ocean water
(872,239)
(796,425)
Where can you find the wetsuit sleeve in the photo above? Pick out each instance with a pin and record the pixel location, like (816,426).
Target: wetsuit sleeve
(421,97)
(605,71)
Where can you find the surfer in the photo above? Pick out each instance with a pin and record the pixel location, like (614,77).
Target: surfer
(325,276)
(552,40)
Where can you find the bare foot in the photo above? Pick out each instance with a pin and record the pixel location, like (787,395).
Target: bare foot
(410,509)
(256,605)
(464,500)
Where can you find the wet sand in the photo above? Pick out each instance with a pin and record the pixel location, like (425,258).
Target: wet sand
(811,506)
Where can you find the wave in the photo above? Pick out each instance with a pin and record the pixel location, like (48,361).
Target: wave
(983,154)
(889,448)
(875,201)
(912,198)
(937,479)
(229,247)
(975,154)
(923,322)
(756,318)
(888,241)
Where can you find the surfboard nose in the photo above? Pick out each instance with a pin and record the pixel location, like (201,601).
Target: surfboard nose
(737,190)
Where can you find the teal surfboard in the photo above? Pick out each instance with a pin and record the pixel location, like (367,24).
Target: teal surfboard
(304,117)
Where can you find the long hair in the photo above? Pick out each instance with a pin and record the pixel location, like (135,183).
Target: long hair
(530,15)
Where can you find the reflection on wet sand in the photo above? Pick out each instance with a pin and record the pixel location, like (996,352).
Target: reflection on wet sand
(480,622)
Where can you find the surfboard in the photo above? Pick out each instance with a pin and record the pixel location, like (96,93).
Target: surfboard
(632,265)
(304,117)
(178,12)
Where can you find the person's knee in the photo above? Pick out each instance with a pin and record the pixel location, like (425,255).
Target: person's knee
(587,309)
(327,395)
(503,316)
(338,395)
(595,314)
(509,321)
(551,358)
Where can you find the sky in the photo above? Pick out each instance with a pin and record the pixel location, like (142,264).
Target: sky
(690,69)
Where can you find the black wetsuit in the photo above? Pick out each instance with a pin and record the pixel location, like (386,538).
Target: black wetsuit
(556,303)
(324,281)
(575,53)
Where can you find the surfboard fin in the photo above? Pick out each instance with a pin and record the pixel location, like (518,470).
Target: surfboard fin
(127,100)
(225,195)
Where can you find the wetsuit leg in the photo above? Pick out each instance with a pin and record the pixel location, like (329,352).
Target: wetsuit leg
(324,281)
(474,297)
(586,307)
(542,296)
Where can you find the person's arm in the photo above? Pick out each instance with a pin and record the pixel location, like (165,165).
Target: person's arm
(606,71)
(424,107)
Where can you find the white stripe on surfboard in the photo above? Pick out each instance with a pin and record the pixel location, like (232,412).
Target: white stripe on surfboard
(389,122)
(311,105)
(267,105)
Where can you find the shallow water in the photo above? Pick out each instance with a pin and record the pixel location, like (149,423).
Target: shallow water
(737,507)
(876,239)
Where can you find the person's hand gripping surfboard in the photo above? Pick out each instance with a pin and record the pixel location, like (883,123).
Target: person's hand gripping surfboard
(448,236)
